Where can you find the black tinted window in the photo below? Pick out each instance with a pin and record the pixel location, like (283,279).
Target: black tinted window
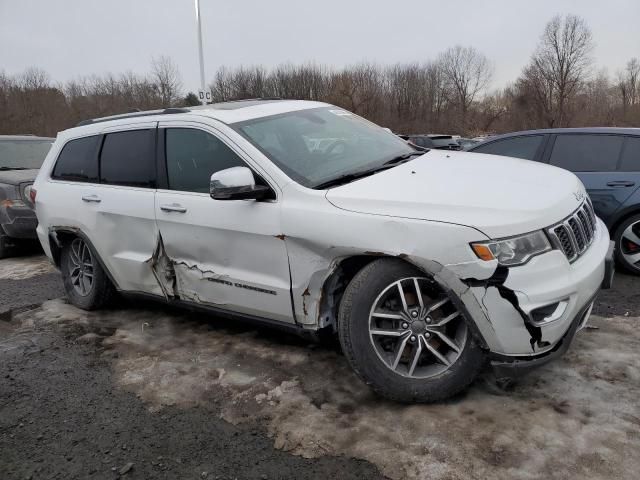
(127,158)
(586,153)
(519,147)
(630,161)
(78,160)
(193,156)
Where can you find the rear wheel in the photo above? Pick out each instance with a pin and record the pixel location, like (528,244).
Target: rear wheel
(404,336)
(85,281)
(627,238)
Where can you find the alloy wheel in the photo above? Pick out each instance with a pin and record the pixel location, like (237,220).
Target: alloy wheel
(81,267)
(630,245)
(415,328)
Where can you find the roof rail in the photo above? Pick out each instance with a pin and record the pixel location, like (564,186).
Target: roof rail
(237,100)
(166,111)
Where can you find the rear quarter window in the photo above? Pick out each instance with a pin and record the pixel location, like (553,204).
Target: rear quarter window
(78,160)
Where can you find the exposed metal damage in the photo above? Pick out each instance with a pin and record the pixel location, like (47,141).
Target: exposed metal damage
(497,281)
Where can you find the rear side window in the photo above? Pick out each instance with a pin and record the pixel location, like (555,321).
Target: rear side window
(586,153)
(519,147)
(193,156)
(127,158)
(630,161)
(78,160)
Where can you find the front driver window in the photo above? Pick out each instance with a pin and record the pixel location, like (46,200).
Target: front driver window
(193,156)
(518,147)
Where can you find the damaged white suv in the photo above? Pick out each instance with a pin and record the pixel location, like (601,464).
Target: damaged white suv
(302,214)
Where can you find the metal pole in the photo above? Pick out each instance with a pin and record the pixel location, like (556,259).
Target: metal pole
(204,99)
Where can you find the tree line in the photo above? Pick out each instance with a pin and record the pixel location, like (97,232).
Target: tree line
(560,86)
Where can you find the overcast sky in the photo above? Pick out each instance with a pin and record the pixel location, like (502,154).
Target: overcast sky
(69,38)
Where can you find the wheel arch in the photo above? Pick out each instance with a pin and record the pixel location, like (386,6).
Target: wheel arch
(335,284)
(621,217)
(348,267)
(60,236)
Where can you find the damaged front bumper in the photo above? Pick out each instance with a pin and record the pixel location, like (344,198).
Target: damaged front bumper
(536,309)
(505,366)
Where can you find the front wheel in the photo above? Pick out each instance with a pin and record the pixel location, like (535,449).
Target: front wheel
(403,335)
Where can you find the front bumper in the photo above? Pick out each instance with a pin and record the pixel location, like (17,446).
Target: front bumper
(506,310)
(18,221)
(511,367)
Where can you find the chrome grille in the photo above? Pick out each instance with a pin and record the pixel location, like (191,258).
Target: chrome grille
(575,233)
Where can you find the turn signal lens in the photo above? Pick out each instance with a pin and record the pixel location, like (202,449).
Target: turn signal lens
(482,251)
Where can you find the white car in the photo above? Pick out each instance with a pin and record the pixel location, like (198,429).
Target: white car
(425,264)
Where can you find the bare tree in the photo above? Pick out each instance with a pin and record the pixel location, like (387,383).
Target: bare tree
(629,84)
(559,67)
(166,76)
(467,73)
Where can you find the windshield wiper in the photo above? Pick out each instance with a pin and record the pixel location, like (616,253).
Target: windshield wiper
(401,158)
(13,168)
(349,177)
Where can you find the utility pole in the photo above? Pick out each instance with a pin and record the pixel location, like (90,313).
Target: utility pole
(204,95)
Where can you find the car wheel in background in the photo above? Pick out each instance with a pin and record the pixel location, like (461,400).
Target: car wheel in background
(4,246)
(627,238)
(403,335)
(85,282)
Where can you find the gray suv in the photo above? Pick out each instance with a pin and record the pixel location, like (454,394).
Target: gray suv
(20,158)
(607,160)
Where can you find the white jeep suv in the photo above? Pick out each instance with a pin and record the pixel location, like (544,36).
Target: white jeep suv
(305,215)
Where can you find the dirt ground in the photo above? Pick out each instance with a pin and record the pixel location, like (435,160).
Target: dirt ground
(142,391)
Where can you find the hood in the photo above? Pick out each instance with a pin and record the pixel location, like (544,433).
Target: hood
(500,196)
(16,177)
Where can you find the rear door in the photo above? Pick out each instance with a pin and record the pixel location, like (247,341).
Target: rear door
(596,160)
(224,253)
(124,230)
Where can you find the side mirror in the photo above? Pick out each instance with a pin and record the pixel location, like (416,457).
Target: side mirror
(236,183)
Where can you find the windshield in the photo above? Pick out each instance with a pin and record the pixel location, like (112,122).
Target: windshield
(23,153)
(317,145)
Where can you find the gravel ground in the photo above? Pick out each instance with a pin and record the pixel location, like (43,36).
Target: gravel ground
(143,391)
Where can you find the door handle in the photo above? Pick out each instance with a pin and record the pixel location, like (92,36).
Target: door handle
(91,199)
(174,207)
(620,183)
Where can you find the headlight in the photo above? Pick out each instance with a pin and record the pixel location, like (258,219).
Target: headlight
(514,250)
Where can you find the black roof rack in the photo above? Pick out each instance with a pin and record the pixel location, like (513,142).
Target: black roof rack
(166,111)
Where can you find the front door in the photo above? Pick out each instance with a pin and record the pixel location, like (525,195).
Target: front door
(222,253)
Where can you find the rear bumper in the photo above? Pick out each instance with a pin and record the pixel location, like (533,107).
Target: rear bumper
(18,222)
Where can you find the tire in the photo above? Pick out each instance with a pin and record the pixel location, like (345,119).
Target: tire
(4,246)
(81,293)
(625,237)
(371,352)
